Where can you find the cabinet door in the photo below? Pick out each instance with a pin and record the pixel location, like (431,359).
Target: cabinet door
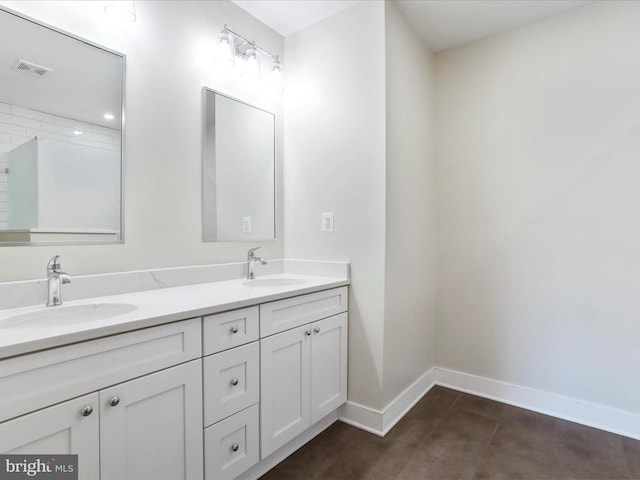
(328,365)
(151,427)
(285,387)
(60,429)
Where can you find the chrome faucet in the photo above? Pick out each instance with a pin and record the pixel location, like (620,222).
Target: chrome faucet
(55,278)
(251,260)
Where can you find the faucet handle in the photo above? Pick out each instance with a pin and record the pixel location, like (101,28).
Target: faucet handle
(54,265)
(251,252)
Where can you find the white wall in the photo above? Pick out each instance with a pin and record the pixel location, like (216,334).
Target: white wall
(169,51)
(410,268)
(358,142)
(539,259)
(335,162)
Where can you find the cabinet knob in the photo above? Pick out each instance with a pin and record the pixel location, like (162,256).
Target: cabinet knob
(234,381)
(317,330)
(114,401)
(235,447)
(307,333)
(86,411)
(234,329)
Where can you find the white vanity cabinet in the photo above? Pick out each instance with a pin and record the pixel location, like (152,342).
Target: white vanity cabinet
(202,398)
(146,428)
(303,368)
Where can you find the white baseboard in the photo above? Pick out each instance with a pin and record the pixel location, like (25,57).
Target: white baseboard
(263,466)
(361,417)
(380,422)
(594,415)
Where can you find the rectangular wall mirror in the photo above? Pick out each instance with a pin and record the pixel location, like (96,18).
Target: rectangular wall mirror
(238,170)
(61,119)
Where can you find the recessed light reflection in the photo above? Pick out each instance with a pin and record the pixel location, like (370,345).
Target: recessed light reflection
(109,116)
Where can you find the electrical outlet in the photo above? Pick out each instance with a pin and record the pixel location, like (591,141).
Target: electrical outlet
(246,224)
(327,222)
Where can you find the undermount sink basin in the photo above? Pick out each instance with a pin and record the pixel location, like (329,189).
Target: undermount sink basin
(274,282)
(67,315)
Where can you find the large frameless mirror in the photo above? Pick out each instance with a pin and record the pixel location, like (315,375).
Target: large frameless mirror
(238,170)
(61,119)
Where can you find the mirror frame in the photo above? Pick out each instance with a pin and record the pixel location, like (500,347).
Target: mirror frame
(89,43)
(206,90)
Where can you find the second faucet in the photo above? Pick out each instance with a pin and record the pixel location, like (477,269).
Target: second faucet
(55,279)
(251,260)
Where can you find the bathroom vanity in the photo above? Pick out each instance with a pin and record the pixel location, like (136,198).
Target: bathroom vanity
(201,381)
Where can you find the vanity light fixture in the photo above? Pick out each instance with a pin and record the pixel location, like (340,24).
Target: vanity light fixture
(232,45)
(121,11)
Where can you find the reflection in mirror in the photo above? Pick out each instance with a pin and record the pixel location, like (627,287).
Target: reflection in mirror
(60,137)
(238,186)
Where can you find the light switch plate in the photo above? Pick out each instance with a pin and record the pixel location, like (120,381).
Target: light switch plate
(327,222)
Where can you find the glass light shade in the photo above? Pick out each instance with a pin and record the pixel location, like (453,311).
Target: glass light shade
(251,67)
(274,81)
(121,11)
(223,58)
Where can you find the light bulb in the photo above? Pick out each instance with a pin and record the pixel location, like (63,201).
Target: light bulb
(223,59)
(274,81)
(251,69)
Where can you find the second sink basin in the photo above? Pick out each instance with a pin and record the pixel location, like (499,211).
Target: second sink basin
(67,315)
(274,282)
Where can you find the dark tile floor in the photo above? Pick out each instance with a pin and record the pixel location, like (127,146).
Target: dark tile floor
(452,435)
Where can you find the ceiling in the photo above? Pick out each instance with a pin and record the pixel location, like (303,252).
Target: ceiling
(441,24)
(289,16)
(84,83)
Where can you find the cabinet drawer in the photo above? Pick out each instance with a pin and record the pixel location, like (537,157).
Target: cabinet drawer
(231,446)
(229,329)
(231,382)
(292,312)
(34,381)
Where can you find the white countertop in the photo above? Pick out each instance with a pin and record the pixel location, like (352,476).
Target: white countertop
(154,307)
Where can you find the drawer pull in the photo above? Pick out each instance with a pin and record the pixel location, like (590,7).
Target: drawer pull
(235,447)
(317,330)
(234,382)
(114,401)
(308,333)
(86,411)
(234,329)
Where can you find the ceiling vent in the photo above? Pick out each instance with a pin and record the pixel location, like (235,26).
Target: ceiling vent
(31,68)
